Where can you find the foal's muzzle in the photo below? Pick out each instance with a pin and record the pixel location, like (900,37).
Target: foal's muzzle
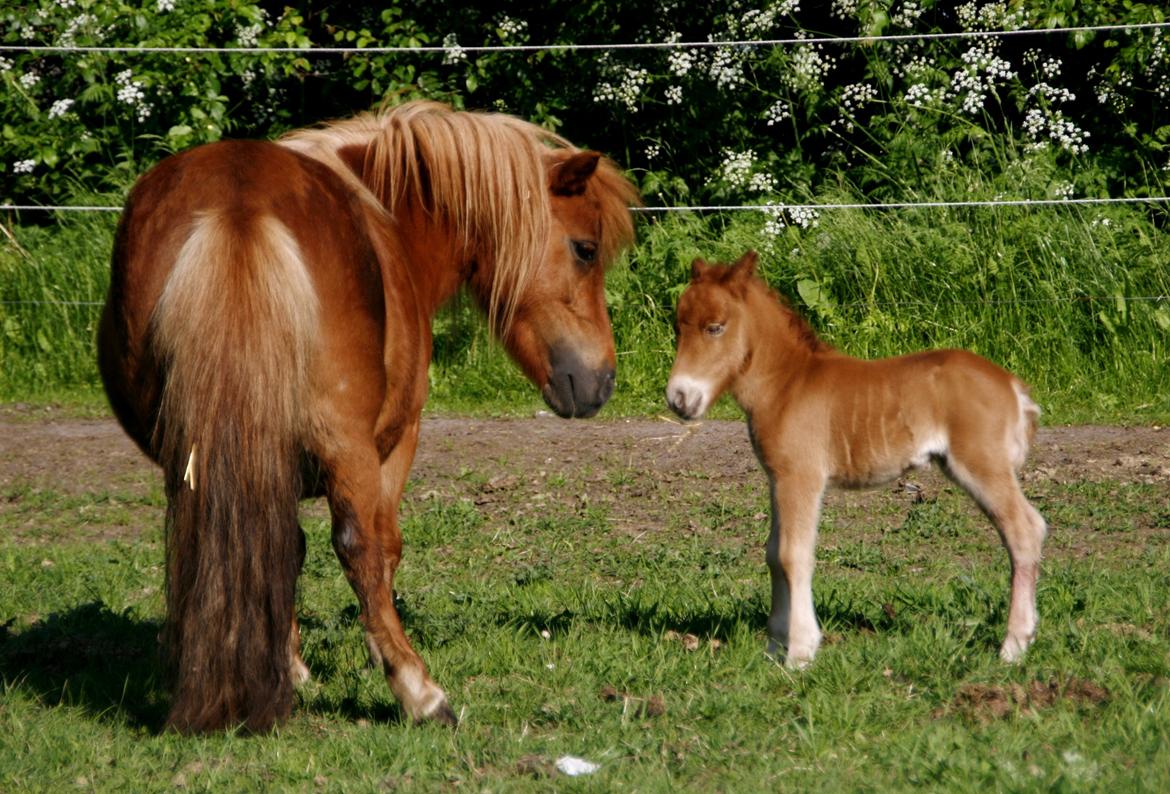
(686,398)
(574,389)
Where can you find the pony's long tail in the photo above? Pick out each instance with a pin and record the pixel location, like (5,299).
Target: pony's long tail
(233,327)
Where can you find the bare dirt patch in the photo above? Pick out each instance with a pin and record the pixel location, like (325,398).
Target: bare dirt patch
(647,473)
(985,703)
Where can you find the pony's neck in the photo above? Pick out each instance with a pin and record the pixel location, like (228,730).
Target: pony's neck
(437,260)
(781,347)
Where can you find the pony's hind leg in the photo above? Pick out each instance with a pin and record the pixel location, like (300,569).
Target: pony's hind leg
(363,497)
(993,485)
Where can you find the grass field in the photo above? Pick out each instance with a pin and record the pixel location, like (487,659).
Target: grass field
(611,606)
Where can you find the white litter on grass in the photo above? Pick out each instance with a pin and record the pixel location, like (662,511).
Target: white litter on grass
(573,766)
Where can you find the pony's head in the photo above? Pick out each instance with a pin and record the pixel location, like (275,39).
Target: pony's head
(713,340)
(555,324)
(529,221)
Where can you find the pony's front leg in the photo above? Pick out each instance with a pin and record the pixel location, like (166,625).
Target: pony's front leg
(364,501)
(298,670)
(791,555)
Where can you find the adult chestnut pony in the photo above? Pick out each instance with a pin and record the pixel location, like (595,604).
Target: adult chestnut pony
(818,417)
(269,314)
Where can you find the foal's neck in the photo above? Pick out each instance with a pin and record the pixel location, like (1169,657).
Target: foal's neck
(781,348)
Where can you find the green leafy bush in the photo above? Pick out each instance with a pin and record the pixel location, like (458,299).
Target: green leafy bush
(92,121)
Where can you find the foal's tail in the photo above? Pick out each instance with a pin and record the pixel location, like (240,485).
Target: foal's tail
(1029,416)
(233,327)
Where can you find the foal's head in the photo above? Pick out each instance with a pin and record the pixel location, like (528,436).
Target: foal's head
(713,343)
(557,326)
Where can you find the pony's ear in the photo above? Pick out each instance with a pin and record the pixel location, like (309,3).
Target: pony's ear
(568,178)
(699,269)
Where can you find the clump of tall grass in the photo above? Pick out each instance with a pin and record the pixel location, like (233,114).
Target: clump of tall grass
(53,280)
(1072,298)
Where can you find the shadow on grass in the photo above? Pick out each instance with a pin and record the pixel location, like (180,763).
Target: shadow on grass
(92,658)
(653,619)
(110,665)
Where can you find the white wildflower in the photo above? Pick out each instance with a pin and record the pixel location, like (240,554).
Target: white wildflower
(249,35)
(60,108)
(857,94)
(627,91)
(907,14)
(679,62)
(844,9)
(130,92)
(453,53)
(774,223)
(809,67)
(77,24)
(674,95)
(5,64)
(509,28)
(920,95)
(804,217)
(726,67)
(28,80)
(778,112)
(761,182)
(23,166)
(165,6)
(653,151)
(738,171)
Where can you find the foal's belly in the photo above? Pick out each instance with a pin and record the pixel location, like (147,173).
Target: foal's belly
(860,466)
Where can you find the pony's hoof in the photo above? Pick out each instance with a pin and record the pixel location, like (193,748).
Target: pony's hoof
(299,672)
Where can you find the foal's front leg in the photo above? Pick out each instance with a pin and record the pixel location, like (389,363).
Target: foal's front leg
(791,555)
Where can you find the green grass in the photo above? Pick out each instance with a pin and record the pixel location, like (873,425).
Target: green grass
(630,633)
(1074,300)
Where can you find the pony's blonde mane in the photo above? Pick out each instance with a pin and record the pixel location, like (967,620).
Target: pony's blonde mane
(484,175)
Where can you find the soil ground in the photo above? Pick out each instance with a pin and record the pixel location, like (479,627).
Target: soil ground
(642,471)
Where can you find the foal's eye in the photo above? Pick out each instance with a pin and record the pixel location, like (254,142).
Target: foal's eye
(714,329)
(584,250)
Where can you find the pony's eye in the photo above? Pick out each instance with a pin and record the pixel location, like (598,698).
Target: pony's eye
(715,329)
(584,250)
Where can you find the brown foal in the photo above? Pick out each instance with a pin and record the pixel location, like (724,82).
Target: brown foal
(818,417)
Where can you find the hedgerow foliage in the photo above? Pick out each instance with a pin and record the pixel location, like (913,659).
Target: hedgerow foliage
(712,124)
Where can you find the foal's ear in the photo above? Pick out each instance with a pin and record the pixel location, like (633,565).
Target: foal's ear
(699,269)
(743,268)
(568,177)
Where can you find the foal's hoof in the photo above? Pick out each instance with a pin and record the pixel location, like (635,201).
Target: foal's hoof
(441,713)
(1013,650)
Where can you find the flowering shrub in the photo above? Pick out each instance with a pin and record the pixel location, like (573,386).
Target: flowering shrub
(779,124)
(90,121)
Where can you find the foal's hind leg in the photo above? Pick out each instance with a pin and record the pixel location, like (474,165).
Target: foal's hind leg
(993,485)
(363,496)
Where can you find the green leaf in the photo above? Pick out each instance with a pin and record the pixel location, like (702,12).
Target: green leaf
(1162,318)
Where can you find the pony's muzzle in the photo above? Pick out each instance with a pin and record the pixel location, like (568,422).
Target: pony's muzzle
(575,390)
